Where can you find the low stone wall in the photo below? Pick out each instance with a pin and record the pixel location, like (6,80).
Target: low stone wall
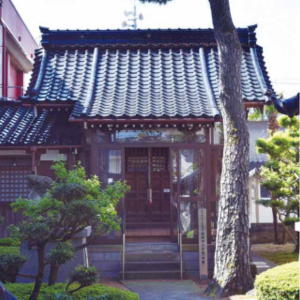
(106,259)
(264,233)
(191,264)
(29,269)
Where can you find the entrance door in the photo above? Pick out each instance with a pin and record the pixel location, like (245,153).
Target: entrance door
(147,173)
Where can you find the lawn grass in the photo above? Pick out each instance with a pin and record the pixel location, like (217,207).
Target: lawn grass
(280,258)
(97,291)
(278,254)
(9,250)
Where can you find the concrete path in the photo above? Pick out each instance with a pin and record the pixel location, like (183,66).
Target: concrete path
(261,263)
(165,289)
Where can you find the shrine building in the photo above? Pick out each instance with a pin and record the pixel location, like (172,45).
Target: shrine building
(141,106)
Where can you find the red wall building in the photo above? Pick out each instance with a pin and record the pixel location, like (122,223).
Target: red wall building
(17,47)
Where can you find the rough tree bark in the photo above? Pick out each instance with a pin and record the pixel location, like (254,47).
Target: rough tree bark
(273,127)
(232,262)
(53,273)
(275,225)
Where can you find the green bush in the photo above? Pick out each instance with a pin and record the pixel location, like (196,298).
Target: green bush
(61,253)
(9,250)
(10,265)
(10,242)
(56,292)
(279,283)
(84,276)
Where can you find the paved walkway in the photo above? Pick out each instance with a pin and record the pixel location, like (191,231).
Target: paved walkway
(184,289)
(165,289)
(261,263)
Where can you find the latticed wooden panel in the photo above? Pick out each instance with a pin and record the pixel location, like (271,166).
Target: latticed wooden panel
(137,160)
(159,161)
(13,180)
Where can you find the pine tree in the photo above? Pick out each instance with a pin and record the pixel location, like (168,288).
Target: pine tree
(232,260)
(281,173)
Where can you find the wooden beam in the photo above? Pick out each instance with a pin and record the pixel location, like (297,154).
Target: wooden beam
(47,104)
(147,121)
(40,147)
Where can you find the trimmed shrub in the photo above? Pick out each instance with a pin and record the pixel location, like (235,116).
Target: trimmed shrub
(61,253)
(10,242)
(9,250)
(10,265)
(84,276)
(279,283)
(56,292)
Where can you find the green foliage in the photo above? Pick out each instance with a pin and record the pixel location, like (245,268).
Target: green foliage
(280,257)
(279,283)
(60,296)
(9,250)
(10,259)
(61,253)
(84,276)
(280,175)
(72,202)
(9,266)
(257,114)
(56,292)
(10,242)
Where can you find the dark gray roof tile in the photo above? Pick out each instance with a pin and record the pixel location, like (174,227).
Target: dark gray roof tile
(149,81)
(21,126)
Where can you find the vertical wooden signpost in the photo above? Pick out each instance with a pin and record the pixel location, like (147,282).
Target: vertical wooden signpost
(202,232)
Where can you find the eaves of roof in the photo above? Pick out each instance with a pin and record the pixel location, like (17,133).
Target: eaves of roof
(121,38)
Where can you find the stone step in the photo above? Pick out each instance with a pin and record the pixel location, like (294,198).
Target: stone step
(152,266)
(168,274)
(169,256)
(104,248)
(142,224)
(151,247)
(148,239)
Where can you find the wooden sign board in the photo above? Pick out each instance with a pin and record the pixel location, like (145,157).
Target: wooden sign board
(202,231)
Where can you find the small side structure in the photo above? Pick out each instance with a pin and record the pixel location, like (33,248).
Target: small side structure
(140,106)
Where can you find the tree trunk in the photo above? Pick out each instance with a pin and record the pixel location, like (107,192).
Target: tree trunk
(275,225)
(232,273)
(40,274)
(296,250)
(53,273)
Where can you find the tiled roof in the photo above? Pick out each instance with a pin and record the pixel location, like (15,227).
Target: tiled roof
(22,126)
(143,73)
(137,38)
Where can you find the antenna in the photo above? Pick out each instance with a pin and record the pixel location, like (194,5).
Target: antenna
(132,17)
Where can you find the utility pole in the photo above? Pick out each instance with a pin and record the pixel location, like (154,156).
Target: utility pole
(132,17)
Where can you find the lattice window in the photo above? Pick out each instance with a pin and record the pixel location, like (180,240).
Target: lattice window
(137,160)
(13,182)
(158,164)
(137,164)
(159,161)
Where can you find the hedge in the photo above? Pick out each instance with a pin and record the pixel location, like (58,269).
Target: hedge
(10,242)
(279,283)
(9,250)
(9,246)
(97,291)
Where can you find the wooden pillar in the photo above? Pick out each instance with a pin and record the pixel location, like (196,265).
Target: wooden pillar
(94,155)
(71,158)
(34,160)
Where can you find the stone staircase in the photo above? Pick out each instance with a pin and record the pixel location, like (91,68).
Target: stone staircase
(152,260)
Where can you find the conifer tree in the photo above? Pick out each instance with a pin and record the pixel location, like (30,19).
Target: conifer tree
(281,173)
(232,273)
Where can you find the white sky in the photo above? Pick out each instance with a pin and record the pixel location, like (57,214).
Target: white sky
(278,25)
